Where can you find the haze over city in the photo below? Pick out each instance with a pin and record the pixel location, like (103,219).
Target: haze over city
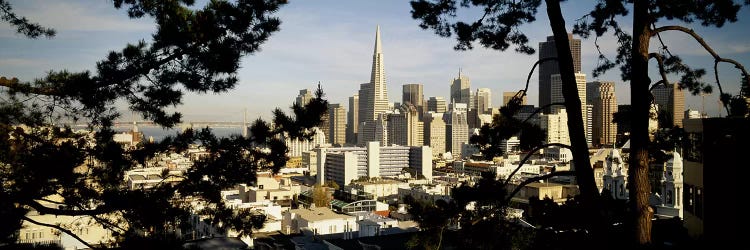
(331,42)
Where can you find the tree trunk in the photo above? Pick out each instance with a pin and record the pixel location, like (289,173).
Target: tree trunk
(583,170)
(638,184)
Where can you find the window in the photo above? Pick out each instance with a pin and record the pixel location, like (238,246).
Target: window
(669,197)
(699,202)
(693,147)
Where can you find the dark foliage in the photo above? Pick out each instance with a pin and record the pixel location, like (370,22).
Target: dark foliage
(194,49)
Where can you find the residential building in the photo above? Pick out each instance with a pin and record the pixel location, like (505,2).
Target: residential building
(317,221)
(345,164)
(556,125)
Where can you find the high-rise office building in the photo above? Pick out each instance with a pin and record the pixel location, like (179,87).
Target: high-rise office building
(413,93)
(461,90)
(508,95)
(547,69)
(602,95)
(456,129)
(434,132)
(305,96)
(557,96)
(337,124)
(483,99)
(352,120)
(589,124)
(437,104)
(373,96)
(671,102)
(404,127)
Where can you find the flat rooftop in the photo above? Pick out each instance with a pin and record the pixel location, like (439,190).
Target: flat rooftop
(318,214)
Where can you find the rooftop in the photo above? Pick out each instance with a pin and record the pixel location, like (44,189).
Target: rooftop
(318,214)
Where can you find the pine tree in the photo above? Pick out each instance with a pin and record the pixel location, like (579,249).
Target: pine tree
(194,49)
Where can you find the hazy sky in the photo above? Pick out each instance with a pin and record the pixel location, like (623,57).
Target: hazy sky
(332,42)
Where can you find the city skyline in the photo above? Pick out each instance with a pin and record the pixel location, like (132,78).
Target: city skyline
(328,47)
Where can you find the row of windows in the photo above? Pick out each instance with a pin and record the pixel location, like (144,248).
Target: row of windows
(693,200)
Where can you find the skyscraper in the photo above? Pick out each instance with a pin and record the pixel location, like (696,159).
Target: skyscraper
(437,104)
(508,95)
(337,124)
(547,69)
(456,129)
(602,96)
(404,127)
(557,96)
(305,96)
(413,94)
(379,91)
(483,100)
(352,120)
(434,132)
(556,125)
(461,90)
(373,96)
(671,102)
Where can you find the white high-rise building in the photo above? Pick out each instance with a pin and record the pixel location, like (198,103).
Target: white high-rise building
(556,125)
(557,95)
(345,164)
(297,147)
(456,129)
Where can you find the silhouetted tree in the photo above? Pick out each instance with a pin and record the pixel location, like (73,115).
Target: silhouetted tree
(497,28)
(194,49)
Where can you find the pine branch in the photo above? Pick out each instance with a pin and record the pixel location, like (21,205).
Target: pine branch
(68,232)
(535,179)
(708,49)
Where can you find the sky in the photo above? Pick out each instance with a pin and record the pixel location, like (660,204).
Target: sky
(331,42)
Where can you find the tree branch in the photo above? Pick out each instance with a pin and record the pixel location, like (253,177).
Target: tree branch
(526,158)
(662,71)
(542,109)
(708,49)
(48,210)
(528,79)
(535,179)
(62,230)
